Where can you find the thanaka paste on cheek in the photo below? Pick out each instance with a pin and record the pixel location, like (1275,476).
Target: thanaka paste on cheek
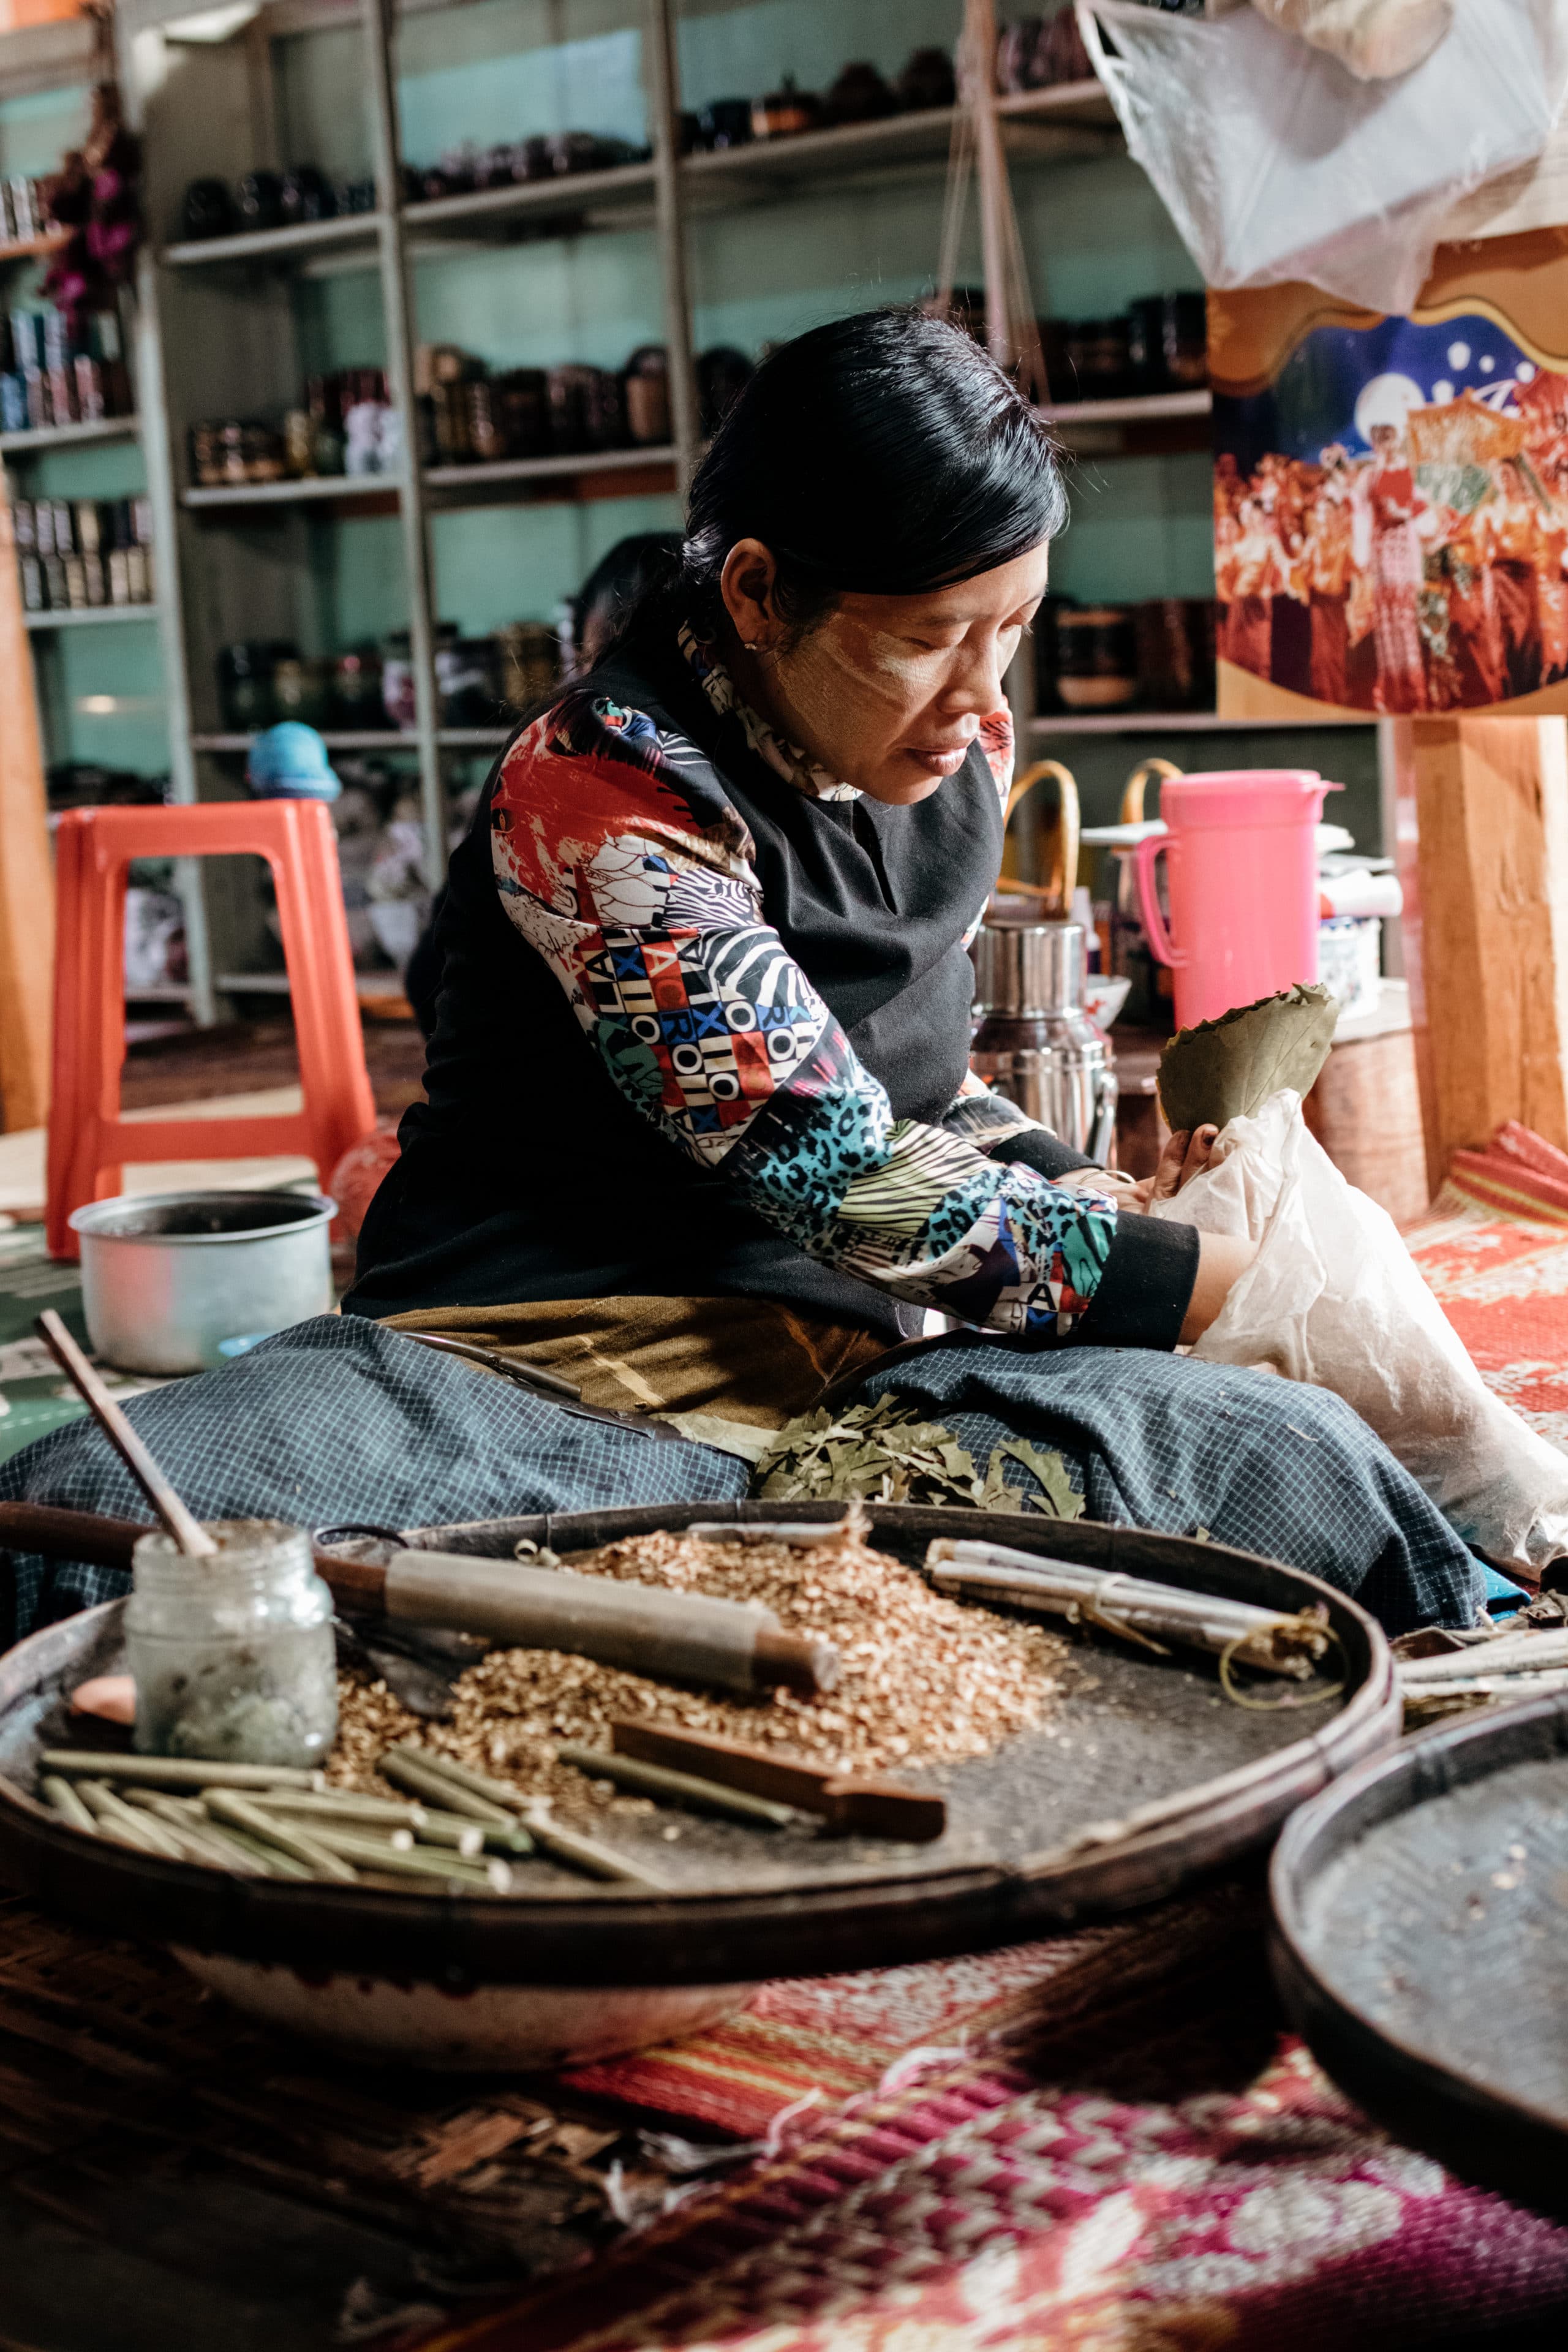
(850,695)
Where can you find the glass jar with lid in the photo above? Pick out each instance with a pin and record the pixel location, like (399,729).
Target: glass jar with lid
(232,1651)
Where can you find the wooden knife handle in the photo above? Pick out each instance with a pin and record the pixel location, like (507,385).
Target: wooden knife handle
(874,1807)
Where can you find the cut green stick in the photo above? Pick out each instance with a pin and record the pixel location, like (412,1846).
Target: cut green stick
(413,1768)
(585,1854)
(234,1811)
(698,1796)
(477,1785)
(62,1798)
(177,1771)
(418,1862)
(341,1805)
(443,1829)
(188,1822)
(116,1820)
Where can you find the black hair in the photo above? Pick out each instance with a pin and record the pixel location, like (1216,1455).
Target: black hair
(623,576)
(884,454)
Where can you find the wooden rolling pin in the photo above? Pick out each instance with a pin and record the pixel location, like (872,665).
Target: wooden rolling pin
(644,1628)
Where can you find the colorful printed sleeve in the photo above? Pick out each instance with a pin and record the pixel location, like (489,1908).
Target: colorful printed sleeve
(622,864)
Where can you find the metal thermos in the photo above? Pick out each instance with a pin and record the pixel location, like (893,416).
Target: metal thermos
(1036,1044)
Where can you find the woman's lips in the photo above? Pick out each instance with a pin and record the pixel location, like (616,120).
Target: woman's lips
(937,761)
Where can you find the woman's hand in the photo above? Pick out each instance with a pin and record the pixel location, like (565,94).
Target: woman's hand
(1185,1155)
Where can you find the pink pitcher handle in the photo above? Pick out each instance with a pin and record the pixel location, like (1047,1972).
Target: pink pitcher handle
(1162,945)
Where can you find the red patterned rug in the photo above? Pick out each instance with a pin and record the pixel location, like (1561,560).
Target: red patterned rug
(1494,1247)
(1105,2143)
(1159,2170)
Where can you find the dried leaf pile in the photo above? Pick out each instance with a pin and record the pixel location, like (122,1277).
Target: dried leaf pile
(924,1678)
(883,1452)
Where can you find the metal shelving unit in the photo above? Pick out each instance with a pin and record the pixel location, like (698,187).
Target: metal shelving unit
(216,333)
(88,616)
(38,438)
(54,57)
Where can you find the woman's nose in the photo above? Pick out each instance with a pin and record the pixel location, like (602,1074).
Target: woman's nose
(976,682)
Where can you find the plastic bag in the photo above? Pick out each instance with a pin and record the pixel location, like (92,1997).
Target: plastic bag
(1375,38)
(1276,163)
(1334,1298)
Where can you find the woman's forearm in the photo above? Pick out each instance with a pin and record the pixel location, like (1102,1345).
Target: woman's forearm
(1222,1259)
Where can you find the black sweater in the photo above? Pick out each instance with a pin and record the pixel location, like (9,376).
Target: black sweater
(642,1081)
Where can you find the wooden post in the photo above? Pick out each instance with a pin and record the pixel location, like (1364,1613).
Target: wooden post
(27,880)
(1491,926)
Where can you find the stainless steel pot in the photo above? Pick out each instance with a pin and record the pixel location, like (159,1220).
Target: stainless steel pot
(1036,1044)
(167,1277)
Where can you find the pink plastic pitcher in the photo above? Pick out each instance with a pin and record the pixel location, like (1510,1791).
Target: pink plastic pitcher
(1243,882)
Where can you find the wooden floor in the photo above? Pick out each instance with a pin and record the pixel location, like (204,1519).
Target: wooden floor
(242,1056)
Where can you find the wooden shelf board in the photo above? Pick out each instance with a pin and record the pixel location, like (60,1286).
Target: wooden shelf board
(310,491)
(923,136)
(450,739)
(366,739)
(546,470)
(81,617)
(1172,722)
(42,437)
(568,192)
(300,240)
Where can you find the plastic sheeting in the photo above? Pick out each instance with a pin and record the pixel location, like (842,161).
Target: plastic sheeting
(1277,164)
(1334,1298)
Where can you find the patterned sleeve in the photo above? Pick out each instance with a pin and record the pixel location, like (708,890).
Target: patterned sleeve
(622,864)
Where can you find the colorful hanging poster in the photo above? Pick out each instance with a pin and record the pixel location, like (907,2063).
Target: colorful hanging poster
(1391,495)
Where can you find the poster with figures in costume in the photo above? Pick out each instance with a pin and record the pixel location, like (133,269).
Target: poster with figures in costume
(1391,495)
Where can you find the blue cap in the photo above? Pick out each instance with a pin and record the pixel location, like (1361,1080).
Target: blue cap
(289,762)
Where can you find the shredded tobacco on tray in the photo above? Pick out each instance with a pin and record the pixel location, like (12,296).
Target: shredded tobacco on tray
(925,1679)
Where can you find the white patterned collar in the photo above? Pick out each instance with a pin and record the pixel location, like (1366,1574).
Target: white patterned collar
(785,760)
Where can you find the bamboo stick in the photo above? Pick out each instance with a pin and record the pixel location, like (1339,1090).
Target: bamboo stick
(1267,1639)
(182,1526)
(1509,1653)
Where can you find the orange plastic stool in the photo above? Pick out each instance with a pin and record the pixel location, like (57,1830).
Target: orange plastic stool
(88,1140)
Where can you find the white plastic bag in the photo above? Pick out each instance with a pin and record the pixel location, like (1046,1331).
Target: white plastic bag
(1276,163)
(1334,1298)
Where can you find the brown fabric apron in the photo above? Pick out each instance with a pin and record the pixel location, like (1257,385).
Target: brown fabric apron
(745,1360)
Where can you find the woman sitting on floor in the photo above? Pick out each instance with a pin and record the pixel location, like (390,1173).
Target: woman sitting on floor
(699,1127)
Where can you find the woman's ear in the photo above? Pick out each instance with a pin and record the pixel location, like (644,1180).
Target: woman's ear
(746,584)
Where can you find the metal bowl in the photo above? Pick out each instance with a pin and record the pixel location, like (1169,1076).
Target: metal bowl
(173,1281)
(1418,1909)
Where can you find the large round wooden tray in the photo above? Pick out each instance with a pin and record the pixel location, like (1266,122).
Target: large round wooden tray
(1420,1919)
(1132,1728)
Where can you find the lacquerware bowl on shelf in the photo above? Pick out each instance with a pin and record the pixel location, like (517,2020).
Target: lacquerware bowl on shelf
(563,1967)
